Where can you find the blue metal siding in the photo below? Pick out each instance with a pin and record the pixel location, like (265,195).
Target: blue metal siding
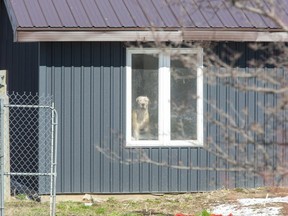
(19,59)
(88,83)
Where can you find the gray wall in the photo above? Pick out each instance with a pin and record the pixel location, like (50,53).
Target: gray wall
(88,83)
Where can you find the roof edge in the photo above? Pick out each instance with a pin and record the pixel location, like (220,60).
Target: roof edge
(48,36)
(240,36)
(12,17)
(176,36)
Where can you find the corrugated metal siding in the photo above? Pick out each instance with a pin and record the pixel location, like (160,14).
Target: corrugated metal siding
(88,83)
(21,60)
(87,80)
(134,14)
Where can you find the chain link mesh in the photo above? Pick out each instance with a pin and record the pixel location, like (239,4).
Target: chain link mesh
(28,143)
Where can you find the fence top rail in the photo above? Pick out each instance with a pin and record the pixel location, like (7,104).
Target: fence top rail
(32,99)
(28,106)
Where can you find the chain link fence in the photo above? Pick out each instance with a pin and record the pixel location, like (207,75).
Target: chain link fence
(28,151)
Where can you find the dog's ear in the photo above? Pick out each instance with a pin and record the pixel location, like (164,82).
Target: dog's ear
(148,100)
(137,99)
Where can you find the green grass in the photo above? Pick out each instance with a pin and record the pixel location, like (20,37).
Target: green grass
(167,205)
(21,196)
(110,207)
(203,213)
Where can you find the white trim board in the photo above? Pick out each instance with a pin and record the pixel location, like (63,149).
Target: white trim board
(164,103)
(46,35)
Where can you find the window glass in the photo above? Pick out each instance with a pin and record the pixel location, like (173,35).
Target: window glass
(183,100)
(145,96)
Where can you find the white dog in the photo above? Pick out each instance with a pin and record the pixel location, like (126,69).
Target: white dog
(140,118)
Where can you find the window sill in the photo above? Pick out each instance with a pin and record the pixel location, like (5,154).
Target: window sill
(157,143)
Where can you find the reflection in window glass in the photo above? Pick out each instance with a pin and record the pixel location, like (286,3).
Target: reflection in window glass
(145,97)
(183,101)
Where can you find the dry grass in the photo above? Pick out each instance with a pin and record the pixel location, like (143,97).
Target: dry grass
(190,203)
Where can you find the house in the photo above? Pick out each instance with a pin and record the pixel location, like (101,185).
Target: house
(91,54)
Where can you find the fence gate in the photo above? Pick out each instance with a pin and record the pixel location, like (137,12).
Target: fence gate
(28,132)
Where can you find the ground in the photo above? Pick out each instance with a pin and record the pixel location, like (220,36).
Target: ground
(236,202)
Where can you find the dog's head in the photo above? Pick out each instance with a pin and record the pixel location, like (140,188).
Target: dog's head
(142,102)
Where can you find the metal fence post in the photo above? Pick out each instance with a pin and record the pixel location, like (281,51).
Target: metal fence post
(54,130)
(2,155)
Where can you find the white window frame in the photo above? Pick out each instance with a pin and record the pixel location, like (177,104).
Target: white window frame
(164,102)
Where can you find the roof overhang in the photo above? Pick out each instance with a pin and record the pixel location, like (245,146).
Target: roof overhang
(24,35)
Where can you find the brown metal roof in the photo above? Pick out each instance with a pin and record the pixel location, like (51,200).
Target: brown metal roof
(136,13)
(124,15)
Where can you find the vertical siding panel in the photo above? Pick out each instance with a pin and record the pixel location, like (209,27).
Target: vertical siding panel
(194,173)
(247,121)
(277,158)
(183,174)
(268,123)
(145,182)
(26,77)
(43,181)
(216,130)
(96,120)
(86,115)
(251,178)
(122,118)
(18,66)
(242,101)
(252,118)
(228,99)
(174,173)
(66,113)
(56,87)
(232,108)
(127,175)
(76,126)
(154,174)
(6,33)
(135,175)
(202,174)
(48,76)
(164,170)
(44,78)
(116,133)
(260,119)
(243,104)
(212,183)
(212,130)
(106,115)
(217,102)
(160,183)
(207,124)
(282,149)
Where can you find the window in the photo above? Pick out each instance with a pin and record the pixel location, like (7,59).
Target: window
(164,97)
